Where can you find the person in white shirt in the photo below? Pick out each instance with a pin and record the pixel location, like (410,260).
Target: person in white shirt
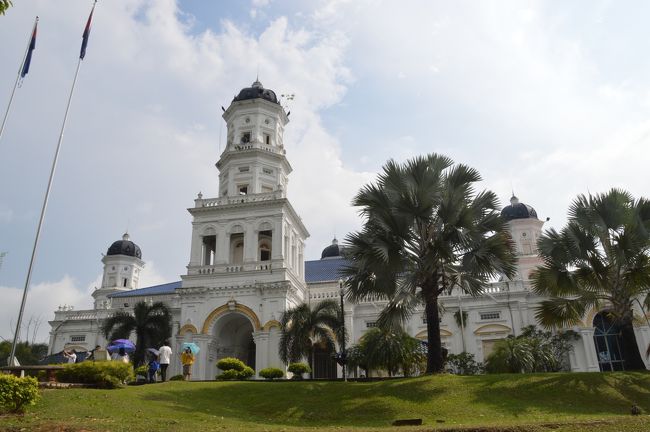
(71,356)
(164,356)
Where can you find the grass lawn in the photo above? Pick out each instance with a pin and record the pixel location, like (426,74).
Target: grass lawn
(537,402)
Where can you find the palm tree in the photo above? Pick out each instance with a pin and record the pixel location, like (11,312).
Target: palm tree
(303,327)
(598,260)
(151,324)
(425,227)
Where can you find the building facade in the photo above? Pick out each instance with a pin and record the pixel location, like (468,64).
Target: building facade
(246,267)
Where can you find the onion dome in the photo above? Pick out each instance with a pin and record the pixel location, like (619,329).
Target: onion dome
(332,251)
(518,210)
(125,247)
(256,91)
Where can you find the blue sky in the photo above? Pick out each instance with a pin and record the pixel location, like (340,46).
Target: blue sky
(548,99)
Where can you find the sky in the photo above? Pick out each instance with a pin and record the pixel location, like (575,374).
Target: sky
(546,99)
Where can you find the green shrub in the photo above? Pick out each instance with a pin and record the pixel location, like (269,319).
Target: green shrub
(176,378)
(16,394)
(230,374)
(297,369)
(142,370)
(246,373)
(101,374)
(464,364)
(271,373)
(230,363)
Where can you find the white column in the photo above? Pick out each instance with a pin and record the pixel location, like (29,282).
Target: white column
(261,339)
(590,356)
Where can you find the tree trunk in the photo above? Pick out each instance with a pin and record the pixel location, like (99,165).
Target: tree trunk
(631,354)
(434,350)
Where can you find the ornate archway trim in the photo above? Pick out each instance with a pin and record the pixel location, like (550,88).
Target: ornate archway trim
(229,307)
(492,329)
(188,328)
(270,324)
(422,335)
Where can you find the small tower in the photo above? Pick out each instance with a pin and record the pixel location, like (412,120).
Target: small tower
(254,161)
(122,266)
(525,230)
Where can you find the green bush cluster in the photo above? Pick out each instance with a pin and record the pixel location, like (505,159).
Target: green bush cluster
(142,370)
(272,373)
(101,374)
(297,369)
(464,364)
(234,369)
(16,394)
(231,363)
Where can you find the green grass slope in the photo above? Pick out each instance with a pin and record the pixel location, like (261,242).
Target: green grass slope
(572,401)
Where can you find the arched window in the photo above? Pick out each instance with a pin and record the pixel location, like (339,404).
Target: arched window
(264,242)
(608,341)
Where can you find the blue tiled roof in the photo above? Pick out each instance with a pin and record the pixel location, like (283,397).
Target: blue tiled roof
(324,270)
(167,288)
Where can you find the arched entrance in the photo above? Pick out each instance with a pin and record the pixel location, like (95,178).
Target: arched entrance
(233,337)
(324,362)
(608,340)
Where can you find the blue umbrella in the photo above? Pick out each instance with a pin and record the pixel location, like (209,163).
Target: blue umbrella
(192,346)
(153,351)
(121,343)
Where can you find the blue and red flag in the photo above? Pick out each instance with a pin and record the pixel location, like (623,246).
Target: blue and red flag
(28,57)
(84,42)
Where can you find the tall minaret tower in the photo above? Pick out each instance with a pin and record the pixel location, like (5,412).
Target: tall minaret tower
(525,230)
(247,255)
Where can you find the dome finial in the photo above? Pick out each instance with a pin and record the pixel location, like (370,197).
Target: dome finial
(125,237)
(514,200)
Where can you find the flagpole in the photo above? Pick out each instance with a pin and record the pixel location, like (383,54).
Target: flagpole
(20,68)
(42,217)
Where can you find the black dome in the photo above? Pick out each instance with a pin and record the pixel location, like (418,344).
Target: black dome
(332,251)
(256,91)
(125,247)
(518,210)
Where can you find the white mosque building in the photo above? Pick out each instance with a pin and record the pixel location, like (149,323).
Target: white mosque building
(246,267)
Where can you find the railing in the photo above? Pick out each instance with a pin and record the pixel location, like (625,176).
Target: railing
(240,199)
(256,145)
(230,268)
(73,316)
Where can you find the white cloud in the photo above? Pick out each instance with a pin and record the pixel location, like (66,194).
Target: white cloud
(42,299)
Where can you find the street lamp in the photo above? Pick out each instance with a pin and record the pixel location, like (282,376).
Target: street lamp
(343,355)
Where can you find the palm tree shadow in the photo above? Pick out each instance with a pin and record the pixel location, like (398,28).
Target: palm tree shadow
(259,403)
(598,393)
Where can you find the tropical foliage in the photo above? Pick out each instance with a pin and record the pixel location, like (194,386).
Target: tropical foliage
(4,5)
(26,353)
(427,230)
(16,394)
(298,369)
(392,350)
(532,351)
(106,374)
(598,260)
(464,364)
(272,373)
(151,323)
(234,369)
(305,326)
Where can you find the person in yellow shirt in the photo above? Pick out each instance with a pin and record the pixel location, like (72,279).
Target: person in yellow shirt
(187,359)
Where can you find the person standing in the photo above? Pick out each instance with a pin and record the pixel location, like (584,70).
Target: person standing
(164,357)
(187,359)
(120,356)
(71,356)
